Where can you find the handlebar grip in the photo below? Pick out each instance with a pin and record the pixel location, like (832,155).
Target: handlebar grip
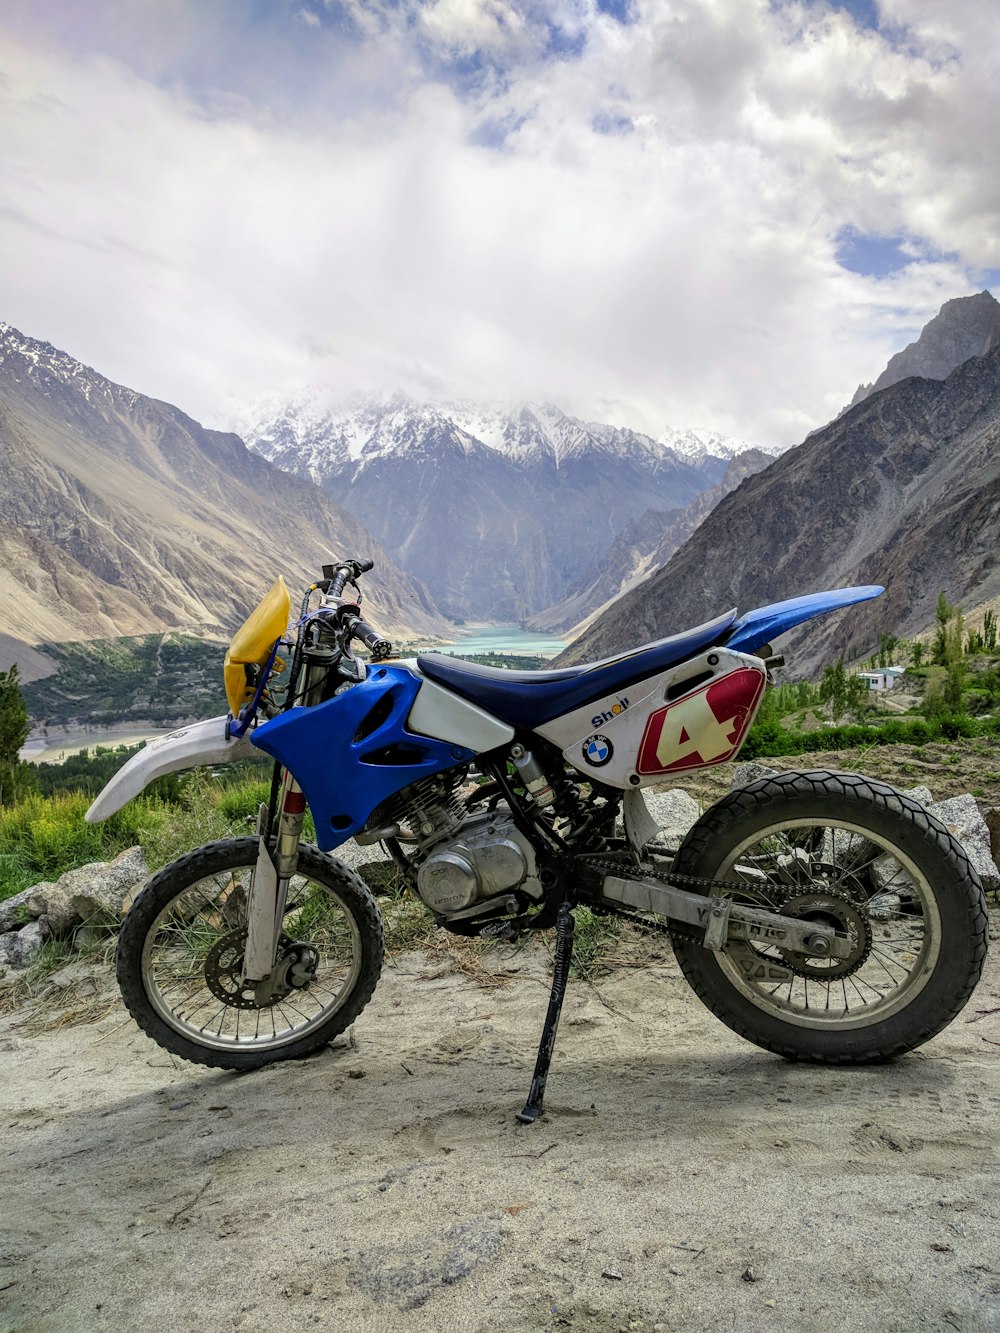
(378,646)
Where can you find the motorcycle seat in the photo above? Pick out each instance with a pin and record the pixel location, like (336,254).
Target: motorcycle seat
(530,698)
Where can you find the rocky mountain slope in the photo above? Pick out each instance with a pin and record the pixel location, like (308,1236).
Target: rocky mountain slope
(966,326)
(120,515)
(497,510)
(902,489)
(641,547)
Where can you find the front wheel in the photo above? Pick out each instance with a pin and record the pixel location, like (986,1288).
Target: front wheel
(858,856)
(180,955)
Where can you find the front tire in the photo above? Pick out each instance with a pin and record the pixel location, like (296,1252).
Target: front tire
(181,947)
(858,855)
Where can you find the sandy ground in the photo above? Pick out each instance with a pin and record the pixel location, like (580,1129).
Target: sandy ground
(680,1178)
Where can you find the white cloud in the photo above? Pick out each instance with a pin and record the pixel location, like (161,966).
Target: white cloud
(651,232)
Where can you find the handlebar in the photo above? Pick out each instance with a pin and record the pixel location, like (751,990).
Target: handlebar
(337,576)
(378,646)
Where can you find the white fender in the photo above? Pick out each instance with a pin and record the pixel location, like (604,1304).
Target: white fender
(201,743)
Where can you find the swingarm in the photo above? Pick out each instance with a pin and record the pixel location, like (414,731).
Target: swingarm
(723,921)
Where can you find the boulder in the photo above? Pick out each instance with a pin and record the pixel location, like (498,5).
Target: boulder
(962,817)
(99,890)
(20,948)
(674,811)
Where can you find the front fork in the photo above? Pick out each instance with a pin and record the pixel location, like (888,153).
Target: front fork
(270,880)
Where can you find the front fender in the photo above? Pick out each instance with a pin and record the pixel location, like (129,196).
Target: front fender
(201,743)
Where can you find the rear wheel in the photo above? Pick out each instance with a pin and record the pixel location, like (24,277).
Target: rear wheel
(858,856)
(180,954)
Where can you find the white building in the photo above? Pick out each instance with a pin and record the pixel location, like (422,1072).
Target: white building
(882,679)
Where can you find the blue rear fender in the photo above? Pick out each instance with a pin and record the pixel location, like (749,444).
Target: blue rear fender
(758,627)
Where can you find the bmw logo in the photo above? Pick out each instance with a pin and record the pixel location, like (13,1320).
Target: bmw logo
(597,751)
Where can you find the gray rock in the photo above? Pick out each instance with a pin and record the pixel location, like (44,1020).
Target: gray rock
(674,812)
(962,817)
(93,891)
(407,1274)
(14,912)
(921,794)
(20,948)
(750,772)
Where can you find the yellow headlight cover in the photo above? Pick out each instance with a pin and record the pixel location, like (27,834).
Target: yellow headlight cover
(253,641)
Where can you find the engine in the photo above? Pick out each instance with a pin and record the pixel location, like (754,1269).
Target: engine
(470,859)
(490,857)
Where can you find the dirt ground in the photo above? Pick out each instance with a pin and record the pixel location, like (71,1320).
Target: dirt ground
(679,1179)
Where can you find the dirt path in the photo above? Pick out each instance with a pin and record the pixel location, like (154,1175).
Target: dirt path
(681,1179)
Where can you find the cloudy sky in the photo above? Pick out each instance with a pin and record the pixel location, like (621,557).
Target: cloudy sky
(723,213)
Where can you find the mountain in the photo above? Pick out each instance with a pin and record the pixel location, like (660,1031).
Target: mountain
(964,327)
(120,515)
(496,509)
(902,489)
(642,546)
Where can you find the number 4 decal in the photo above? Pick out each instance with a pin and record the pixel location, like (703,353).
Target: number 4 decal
(703,728)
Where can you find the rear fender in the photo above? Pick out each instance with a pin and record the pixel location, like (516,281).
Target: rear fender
(758,627)
(201,743)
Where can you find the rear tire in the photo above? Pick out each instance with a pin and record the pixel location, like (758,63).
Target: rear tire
(181,948)
(859,855)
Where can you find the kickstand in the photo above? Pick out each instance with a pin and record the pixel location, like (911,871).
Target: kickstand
(565,926)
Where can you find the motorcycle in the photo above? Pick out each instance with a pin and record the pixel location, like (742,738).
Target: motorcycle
(823,916)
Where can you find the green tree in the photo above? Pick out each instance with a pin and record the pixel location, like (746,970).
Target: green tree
(954,662)
(917,652)
(844,693)
(989,631)
(943,613)
(14,728)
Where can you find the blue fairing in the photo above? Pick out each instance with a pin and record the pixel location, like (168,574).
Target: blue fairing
(758,627)
(353,752)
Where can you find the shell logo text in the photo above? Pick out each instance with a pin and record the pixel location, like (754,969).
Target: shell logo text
(618,707)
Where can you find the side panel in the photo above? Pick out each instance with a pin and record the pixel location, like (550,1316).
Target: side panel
(447,717)
(692,716)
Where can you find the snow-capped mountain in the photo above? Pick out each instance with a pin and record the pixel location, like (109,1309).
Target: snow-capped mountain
(497,509)
(696,445)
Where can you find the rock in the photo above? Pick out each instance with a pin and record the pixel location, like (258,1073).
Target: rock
(674,812)
(20,948)
(98,890)
(921,794)
(751,772)
(14,912)
(962,817)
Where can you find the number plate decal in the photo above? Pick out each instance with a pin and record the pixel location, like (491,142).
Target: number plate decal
(703,728)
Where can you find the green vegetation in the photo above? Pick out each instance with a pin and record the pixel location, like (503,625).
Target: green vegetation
(510,661)
(14,727)
(162,678)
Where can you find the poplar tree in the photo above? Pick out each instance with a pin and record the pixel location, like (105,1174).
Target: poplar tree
(14,728)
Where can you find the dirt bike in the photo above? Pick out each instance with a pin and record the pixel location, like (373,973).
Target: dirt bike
(821,915)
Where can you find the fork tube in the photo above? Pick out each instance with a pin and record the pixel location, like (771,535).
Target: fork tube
(292,813)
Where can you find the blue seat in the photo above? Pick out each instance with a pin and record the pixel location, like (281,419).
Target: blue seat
(530,698)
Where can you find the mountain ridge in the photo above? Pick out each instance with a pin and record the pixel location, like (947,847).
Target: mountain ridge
(122,515)
(903,490)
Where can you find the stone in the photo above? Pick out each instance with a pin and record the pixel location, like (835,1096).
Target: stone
(98,890)
(15,912)
(674,812)
(962,817)
(20,948)
(750,772)
(921,794)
